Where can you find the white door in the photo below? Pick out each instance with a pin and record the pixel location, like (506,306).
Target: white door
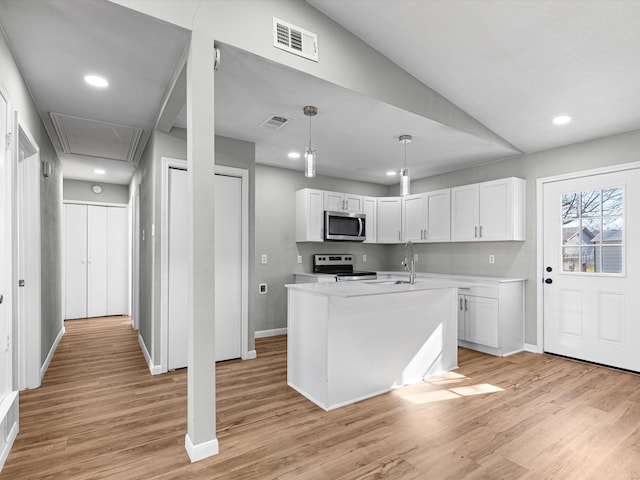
(228,258)
(75,246)
(591,238)
(27,256)
(96,261)
(117,288)
(177,302)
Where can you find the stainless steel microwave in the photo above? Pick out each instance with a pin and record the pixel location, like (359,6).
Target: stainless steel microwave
(344,226)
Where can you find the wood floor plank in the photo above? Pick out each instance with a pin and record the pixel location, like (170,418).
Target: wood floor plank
(100,415)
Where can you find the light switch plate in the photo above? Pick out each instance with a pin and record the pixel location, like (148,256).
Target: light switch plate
(364,258)
(264,259)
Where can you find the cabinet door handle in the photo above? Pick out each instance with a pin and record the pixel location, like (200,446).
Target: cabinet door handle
(466,305)
(399,237)
(480,231)
(460,300)
(475,232)
(426,234)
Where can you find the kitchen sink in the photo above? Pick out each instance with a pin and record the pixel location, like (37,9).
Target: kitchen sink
(390,282)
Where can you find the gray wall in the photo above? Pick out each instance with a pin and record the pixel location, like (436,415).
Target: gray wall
(275,236)
(50,202)
(80,191)
(517,259)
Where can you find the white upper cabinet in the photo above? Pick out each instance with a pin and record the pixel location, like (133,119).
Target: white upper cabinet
(371,211)
(488,211)
(309,215)
(438,208)
(389,221)
(413,218)
(343,202)
(426,217)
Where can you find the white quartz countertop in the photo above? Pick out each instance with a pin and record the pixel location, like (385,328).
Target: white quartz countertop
(375,287)
(451,276)
(382,286)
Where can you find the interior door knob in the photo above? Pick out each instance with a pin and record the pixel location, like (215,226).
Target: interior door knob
(548,280)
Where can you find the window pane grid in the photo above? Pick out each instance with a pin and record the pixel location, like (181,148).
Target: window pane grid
(592,231)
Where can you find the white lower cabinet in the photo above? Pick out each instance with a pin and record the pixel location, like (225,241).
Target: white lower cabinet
(491,317)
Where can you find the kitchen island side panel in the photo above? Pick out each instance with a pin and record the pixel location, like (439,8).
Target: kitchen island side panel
(342,349)
(380,342)
(307,345)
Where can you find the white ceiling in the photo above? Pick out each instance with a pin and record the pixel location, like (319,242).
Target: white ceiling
(511,65)
(514,65)
(57,42)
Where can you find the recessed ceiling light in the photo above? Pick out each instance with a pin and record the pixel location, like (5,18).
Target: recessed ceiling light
(96,81)
(99,171)
(391,173)
(561,119)
(294,155)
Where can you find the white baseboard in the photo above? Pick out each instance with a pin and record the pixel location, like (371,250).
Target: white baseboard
(154,369)
(202,450)
(270,333)
(47,360)
(528,347)
(251,354)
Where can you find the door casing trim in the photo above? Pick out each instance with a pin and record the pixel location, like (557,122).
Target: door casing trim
(241,173)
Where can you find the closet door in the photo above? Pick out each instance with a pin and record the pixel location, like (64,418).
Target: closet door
(116,261)
(75,261)
(96,261)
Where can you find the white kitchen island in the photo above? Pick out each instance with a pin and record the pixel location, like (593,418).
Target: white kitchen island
(348,341)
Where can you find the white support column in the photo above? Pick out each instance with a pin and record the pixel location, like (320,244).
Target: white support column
(201,441)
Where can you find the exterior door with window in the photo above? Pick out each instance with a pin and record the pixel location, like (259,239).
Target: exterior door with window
(592,268)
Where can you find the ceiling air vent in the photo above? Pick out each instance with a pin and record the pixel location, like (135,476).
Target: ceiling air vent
(295,40)
(274,122)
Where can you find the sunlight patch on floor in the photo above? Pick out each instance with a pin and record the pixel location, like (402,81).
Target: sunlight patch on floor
(426,393)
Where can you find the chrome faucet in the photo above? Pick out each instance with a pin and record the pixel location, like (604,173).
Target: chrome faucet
(409,263)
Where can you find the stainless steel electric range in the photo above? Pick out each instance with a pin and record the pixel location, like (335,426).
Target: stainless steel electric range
(340,265)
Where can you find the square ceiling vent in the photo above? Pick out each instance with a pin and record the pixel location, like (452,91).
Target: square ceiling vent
(93,138)
(295,40)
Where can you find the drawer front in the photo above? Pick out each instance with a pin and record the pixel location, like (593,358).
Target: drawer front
(481,290)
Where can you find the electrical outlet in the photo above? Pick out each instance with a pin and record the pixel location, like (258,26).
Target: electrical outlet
(492,259)
(364,259)
(299,258)
(415,257)
(264,259)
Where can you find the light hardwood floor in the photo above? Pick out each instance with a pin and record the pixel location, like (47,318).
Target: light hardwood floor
(100,414)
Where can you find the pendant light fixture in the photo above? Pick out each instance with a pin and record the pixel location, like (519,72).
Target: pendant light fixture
(309,152)
(404,172)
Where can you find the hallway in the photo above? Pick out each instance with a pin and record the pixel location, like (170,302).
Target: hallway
(99,411)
